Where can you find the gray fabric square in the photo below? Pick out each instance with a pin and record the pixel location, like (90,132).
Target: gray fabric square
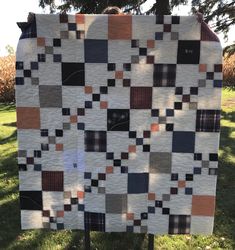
(160,162)
(116,203)
(50,96)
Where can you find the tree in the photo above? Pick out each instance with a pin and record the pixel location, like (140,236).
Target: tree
(220,14)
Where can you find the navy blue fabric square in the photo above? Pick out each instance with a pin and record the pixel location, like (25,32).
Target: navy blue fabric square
(73,74)
(183,142)
(96,51)
(138,183)
(31,200)
(19,80)
(188,52)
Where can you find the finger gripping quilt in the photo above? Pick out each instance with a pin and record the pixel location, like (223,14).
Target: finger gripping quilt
(118,123)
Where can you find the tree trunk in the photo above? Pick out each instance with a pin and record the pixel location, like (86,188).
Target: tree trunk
(163,7)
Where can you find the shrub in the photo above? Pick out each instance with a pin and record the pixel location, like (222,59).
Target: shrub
(7,79)
(229,71)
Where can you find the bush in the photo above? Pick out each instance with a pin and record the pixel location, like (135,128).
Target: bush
(7,79)
(229,71)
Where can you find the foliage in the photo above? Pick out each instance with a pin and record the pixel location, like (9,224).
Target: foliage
(229,71)
(12,238)
(7,78)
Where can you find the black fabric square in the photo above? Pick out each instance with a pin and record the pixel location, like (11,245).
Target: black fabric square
(109,156)
(138,183)
(208,120)
(179,224)
(31,200)
(132,134)
(174,177)
(126,66)
(103,90)
(94,221)
(88,104)
(118,119)
(63,18)
(179,90)
(34,65)
(126,82)
(44,132)
(95,97)
(189,177)
(56,42)
(57,58)
(72,26)
(158,203)
(19,65)
(87,175)
(155,112)
(165,210)
(124,170)
(37,153)
(81,126)
(19,80)
(170,112)
(27,73)
(169,127)
(134,43)
(174,190)
(59,132)
(124,156)
(111,82)
(96,51)
(159,19)
(117,162)
(178,105)
(175,19)
(194,90)
(81,111)
(142,51)
(73,74)
(95,141)
(146,148)
(183,142)
(44,147)
(164,75)
(188,52)
(111,67)
(197,156)
(210,75)
(41,57)
(94,183)
(213,157)
(65,111)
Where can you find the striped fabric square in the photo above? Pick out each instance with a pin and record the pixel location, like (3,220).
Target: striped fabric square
(164,75)
(208,120)
(179,224)
(94,221)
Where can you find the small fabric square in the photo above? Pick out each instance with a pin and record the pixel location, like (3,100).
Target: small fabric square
(53,181)
(183,142)
(57,42)
(158,35)
(175,19)
(111,67)
(34,65)
(141,98)
(208,120)
(138,183)
(118,119)
(73,74)
(188,52)
(95,141)
(179,224)
(134,43)
(19,80)
(94,221)
(159,19)
(96,51)
(164,75)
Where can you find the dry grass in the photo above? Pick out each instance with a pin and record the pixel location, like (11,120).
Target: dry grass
(7,78)
(229,71)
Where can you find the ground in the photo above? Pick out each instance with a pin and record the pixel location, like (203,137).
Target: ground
(11,237)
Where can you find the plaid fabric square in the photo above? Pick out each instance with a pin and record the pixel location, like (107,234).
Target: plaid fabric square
(95,141)
(94,221)
(179,224)
(208,120)
(164,75)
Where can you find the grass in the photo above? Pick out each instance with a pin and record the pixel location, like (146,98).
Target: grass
(11,237)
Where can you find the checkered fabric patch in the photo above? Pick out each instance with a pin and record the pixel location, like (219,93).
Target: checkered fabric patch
(118,119)
(208,121)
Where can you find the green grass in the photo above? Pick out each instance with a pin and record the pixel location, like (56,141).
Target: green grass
(11,237)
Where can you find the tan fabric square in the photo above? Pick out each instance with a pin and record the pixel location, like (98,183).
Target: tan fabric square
(28,118)
(203,205)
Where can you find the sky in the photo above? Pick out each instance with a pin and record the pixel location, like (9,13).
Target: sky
(9,31)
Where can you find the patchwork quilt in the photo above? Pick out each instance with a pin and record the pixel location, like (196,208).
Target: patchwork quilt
(118,121)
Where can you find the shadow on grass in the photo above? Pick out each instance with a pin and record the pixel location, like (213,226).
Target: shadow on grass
(11,124)
(9,139)
(225,212)
(7,107)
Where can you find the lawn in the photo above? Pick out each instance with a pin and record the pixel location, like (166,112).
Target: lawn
(11,237)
